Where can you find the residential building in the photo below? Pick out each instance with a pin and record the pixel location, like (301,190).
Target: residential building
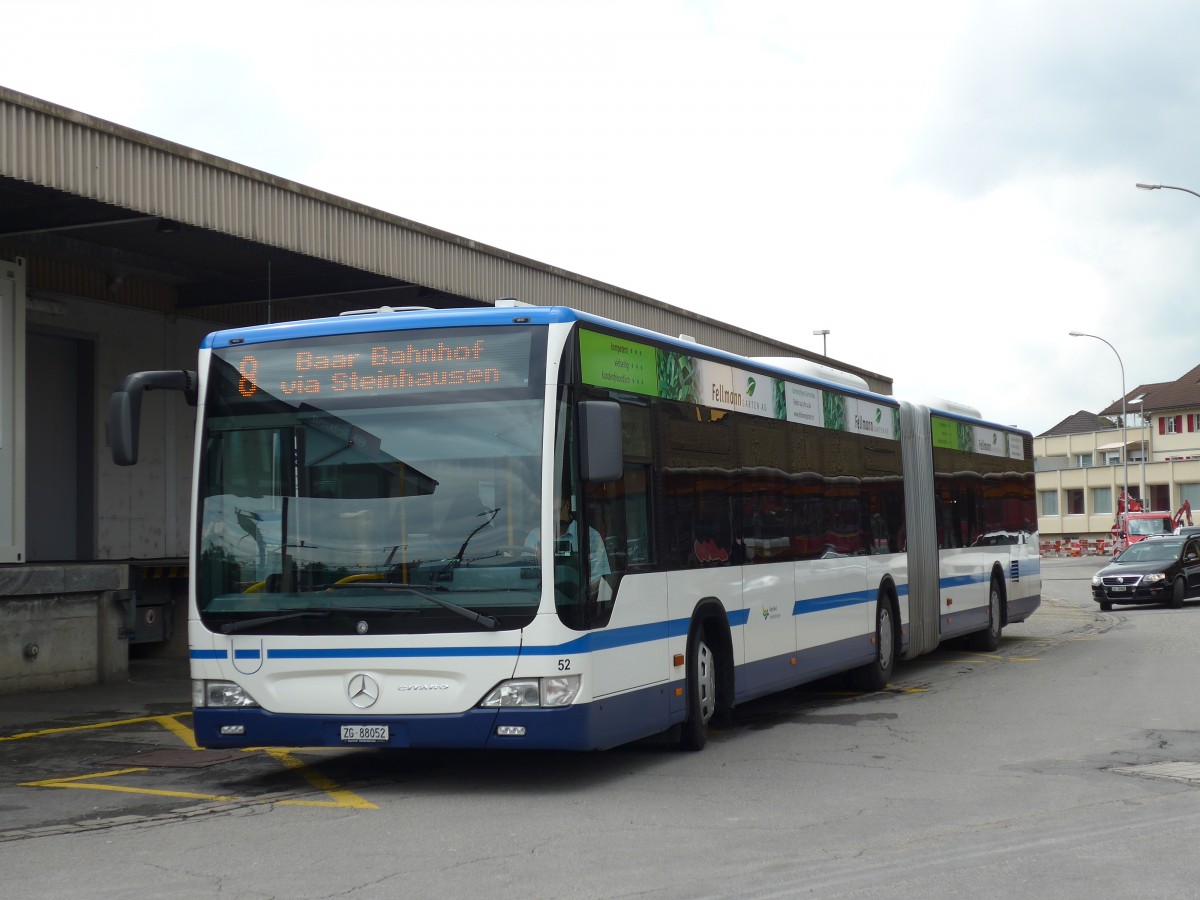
(1083,463)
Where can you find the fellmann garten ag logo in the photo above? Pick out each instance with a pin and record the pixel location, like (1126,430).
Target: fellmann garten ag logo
(873,425)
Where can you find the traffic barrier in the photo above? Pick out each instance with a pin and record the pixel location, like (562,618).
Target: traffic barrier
(1077,548)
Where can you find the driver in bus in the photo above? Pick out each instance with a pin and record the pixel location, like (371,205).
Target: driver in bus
(568,532)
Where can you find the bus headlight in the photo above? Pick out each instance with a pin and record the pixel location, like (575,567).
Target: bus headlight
(220,695)
(559,690)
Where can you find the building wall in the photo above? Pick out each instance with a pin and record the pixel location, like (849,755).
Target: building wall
(62,626)
(1173,465)
(142,512)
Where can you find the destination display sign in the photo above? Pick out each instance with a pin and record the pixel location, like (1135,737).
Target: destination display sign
(401,363)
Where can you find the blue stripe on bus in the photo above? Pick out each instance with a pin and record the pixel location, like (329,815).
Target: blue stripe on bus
(590,642)
(834,601)
(965,580)
(586,643)
(606,640)
(838,601)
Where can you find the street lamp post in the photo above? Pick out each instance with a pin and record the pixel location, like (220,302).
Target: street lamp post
(824,333)
(1164,187)
(1140,400)
(1154,187)
(1124,418)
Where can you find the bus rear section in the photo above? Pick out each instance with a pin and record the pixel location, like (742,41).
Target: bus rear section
(974,500)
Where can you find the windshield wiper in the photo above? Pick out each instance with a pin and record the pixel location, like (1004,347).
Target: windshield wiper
(489,622)
(247,624)
(319,613)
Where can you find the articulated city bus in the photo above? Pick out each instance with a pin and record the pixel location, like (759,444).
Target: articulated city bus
(372,494)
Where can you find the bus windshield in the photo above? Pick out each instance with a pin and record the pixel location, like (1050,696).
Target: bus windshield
(398,508)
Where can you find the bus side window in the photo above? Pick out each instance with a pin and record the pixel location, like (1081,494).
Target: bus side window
(619,510)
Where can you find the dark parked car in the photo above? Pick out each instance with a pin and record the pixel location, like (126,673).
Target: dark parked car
(1159,569)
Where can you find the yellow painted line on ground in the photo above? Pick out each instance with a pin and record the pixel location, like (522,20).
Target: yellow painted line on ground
(80,783)
(69,728)
(975,657)
(341,796)
(62,782)
(178,729)
(886,689)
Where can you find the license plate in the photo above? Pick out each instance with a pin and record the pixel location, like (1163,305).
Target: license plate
(364,734)
(1118,588)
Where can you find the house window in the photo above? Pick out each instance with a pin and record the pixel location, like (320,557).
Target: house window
(1083,461)
(1113,457)
(1102,500)
(1190,493)
(1050,502)
(1075,502)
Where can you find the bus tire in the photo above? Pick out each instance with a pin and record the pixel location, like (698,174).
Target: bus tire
(989,639)
(701,692)
(875,675)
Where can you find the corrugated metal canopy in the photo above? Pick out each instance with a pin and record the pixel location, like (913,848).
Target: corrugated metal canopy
(210,238)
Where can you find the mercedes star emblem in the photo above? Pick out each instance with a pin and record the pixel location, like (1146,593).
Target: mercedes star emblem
(363,691)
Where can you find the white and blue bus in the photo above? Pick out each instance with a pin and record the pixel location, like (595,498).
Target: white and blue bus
(371,493)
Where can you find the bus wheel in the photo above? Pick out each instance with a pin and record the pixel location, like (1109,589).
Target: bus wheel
(701,693)
(874,676)
(989,639)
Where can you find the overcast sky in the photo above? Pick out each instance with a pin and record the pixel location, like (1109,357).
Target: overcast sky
(945,185)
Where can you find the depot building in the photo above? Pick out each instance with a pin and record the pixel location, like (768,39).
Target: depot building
(119,252)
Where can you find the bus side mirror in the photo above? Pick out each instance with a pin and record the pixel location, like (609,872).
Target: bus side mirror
(125,407)
(600,440)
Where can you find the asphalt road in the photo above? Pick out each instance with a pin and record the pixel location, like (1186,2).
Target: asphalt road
(1066,764)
